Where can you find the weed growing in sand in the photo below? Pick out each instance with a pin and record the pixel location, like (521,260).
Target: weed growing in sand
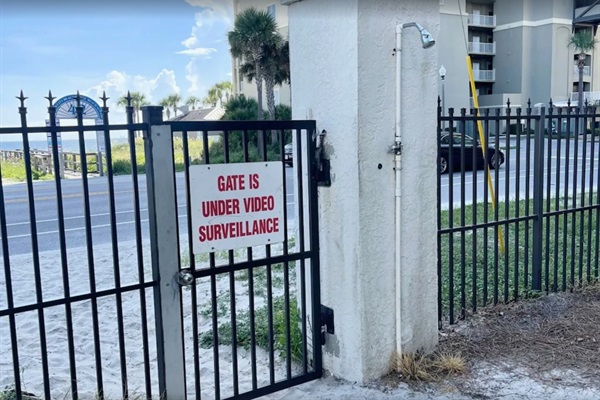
(427,368)
(10,393)
(261,328)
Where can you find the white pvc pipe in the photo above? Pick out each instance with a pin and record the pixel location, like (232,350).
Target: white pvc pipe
(397,168)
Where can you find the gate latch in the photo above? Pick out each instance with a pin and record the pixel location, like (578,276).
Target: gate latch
(185,277)
(323,166)
(327,325)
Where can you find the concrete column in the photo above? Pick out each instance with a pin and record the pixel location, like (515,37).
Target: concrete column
(343,74)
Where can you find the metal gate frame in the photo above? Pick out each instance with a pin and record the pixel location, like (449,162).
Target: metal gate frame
(166,255)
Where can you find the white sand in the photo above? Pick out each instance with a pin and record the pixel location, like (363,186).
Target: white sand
(56,331)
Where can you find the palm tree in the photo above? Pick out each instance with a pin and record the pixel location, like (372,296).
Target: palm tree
(212,97)
(138,100)
(192,101)
(225,88)
(277,71)
(174,100)
(584,42)
(166,105)
(253,30)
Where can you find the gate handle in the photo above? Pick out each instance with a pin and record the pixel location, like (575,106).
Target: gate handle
(185,277)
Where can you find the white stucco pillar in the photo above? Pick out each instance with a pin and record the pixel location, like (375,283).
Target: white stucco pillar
(343,75)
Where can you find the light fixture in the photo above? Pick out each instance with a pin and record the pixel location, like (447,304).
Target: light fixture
(426,37)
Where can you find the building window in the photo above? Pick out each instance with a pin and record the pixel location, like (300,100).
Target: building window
(271,11)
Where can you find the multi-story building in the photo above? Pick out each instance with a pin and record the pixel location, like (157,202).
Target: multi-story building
(279,13)
(518,49)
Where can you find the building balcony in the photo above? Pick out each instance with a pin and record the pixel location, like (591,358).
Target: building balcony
(482,48)
(587,71)
(484,75)
(484,21)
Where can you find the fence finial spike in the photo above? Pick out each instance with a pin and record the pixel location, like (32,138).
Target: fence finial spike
(529,102)
(22,99)
(50,98)
(568,102)
(104,98)
(508,103)
(78,98)
(128,98)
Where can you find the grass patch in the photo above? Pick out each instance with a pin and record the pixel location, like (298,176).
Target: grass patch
(15,171)
(475,272)
(427,368)
(261,325)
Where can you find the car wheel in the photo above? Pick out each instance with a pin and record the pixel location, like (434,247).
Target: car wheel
(496,160)
(443,165)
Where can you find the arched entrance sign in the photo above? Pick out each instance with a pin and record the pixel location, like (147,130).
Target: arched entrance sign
(66,109)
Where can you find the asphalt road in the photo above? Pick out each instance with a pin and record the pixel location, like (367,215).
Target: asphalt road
(566,173)
(18,223)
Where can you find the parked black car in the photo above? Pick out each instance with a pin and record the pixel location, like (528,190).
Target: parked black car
(495,158)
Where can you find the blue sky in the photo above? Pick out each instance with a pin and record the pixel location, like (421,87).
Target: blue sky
(156,47)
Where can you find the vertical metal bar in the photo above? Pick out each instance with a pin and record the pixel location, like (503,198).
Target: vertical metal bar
(582,245)
(165,254)
(548,209)
(556,196)
(300,200)
(592,113)
(14,345)
(507,204)
(538,202)
(90,249)
(34,253)
(137,226)
(574,195)
(463,165)
(286,276)
(245,138)
(439,213)
(566,202)
(194,294)
(232,299)
(517,203)
(313,210)
(596,211)
(63,249)
(496,212)
(527,201)
(486,170)
(474,202)
(451,217)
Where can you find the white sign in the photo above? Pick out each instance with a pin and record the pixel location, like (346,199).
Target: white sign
(236,205)
(100,138)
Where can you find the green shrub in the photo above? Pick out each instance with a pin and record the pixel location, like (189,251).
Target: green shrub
(261,325)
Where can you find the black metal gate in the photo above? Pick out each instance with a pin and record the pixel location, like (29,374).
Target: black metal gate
(519,215)
(121,306)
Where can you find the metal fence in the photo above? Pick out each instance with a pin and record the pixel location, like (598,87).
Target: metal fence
(525,219)
(120,306)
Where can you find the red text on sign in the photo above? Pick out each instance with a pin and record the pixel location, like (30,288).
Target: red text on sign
(208,233)
(213,208)
(257,204)
(231,182)
(254,181)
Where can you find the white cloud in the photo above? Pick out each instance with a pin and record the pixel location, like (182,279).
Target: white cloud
(118,83)
(192,76)
(220,9)
(198,52)
(203,24)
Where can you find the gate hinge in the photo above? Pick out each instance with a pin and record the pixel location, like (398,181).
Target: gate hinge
(396,148)
(322,174)
(327,325)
